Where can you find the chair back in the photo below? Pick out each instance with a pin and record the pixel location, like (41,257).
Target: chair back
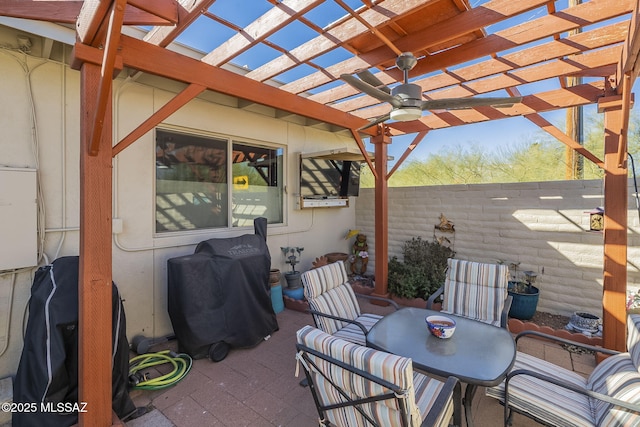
(633,339)
(618,376)
(328,291)
(475,290)
(368,387)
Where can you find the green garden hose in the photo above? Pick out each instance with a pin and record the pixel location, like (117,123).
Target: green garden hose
(181,366)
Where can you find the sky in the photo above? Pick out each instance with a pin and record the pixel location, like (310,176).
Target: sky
(206,35)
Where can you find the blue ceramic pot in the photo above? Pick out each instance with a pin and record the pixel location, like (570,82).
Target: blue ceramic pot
(296,293)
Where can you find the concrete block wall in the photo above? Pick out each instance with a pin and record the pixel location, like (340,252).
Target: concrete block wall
(542,225)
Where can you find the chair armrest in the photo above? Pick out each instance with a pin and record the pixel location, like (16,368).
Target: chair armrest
(566,341)
(504,317)
(440,405)
(595,395)
(434,296)
(331,316)
(382,299)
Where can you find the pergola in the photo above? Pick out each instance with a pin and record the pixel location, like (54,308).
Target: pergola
(461,53)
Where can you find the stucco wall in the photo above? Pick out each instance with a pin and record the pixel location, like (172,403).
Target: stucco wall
(50,143)
(542,225)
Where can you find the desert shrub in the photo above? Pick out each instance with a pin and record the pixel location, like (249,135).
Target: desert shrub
(422,270)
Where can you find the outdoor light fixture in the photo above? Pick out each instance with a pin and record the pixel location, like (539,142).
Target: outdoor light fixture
(405,114)
(596,219)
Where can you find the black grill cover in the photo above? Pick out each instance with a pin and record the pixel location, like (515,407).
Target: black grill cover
(51,340)
(221,294)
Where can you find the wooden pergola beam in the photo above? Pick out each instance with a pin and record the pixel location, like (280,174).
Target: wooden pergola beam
(631,52)
(139,12)
(363,150)
(114,29)
(156,118)
(602,61)
(492,12)
(584,14)
(188,11)
(571,45)
(152,59)
(412,146)
(277,17)
(545,125)
(333,37)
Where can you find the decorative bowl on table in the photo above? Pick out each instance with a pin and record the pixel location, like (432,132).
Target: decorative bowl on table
(441,326)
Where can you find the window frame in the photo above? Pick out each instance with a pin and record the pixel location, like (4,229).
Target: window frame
(229,145)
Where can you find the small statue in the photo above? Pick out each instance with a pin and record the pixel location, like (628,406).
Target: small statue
(359,252)
(445,225)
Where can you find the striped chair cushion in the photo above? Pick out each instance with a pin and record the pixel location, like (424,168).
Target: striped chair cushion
(426,392)
(633,339)
(353,333)
(616,377)
(394,369)
(327,290)
(319,280)
(475,290)
(552,404)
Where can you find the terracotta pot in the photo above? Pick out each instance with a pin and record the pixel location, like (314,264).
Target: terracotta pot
(336,256)
(274,277)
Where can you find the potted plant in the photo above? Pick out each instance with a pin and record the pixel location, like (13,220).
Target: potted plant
(422,271)
(294,284)
(524,295)
(633,302)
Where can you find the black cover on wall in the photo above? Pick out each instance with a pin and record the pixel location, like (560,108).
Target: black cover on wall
(221,293)
(48,369)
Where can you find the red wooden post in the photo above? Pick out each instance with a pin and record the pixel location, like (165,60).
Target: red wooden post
(615,234)
(381,142)
(94,287)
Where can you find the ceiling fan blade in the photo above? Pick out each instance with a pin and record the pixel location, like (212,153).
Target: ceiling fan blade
(375,121)
(368,77)
(462,103)
(370,90)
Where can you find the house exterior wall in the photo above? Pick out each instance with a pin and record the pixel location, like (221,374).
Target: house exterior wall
(542,225)
(40,101)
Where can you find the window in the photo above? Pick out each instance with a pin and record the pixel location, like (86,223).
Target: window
(195,185)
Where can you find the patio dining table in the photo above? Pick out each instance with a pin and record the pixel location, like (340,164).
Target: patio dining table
(478,354)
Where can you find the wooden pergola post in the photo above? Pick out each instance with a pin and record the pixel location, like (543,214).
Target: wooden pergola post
(94,287)
(615,232)
(381,203)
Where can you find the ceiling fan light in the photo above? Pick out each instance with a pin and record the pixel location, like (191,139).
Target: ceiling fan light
(405,114)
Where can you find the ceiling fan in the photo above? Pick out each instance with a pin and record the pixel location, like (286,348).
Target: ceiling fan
(406,98)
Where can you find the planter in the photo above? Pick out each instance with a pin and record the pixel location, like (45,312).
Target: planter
(336,256)
(524,305)
(584,322)
(274,277)
(295,293)
(276,298)
(293,279)
(301,305)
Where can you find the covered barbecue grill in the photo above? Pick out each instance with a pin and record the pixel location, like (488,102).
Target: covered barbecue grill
(219,296)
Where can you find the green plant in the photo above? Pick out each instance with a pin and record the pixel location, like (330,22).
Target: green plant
(422,270)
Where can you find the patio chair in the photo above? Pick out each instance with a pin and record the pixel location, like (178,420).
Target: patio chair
(359,386)
(475,290)
(334,306)
(556,396)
